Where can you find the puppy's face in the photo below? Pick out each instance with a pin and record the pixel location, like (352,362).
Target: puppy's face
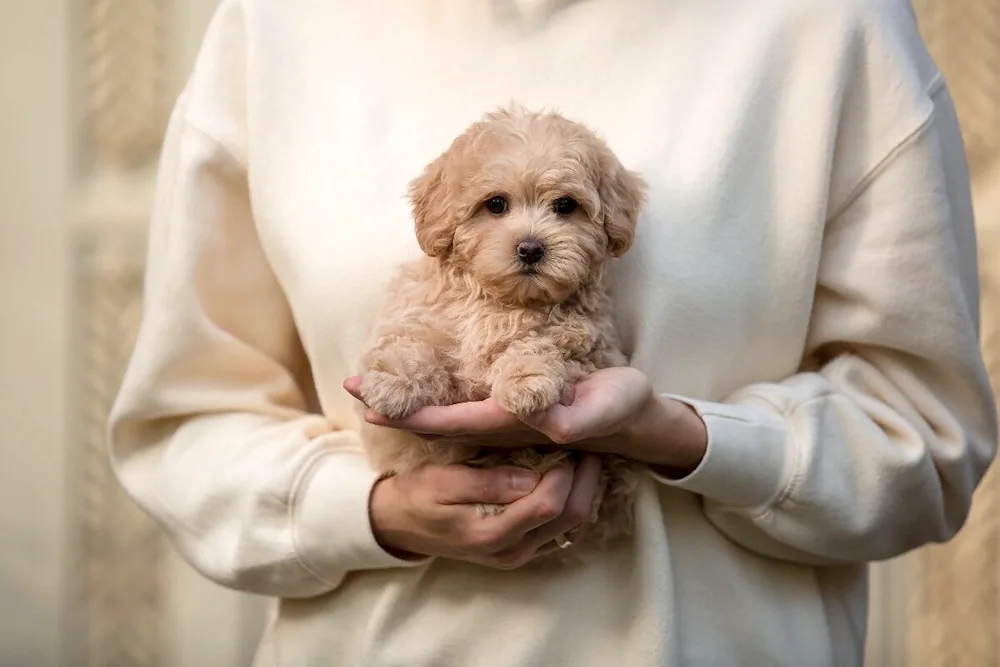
(529,205)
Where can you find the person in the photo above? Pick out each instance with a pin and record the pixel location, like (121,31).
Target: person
(800,311)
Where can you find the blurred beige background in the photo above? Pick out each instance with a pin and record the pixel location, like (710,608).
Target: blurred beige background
(85,580)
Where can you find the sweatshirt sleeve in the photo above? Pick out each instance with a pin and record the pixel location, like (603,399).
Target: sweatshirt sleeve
(876,447)
(210,430)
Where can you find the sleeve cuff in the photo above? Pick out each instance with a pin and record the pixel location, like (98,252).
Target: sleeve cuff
(330,518)
(748,460)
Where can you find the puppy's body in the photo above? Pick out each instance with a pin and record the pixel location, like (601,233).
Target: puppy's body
(511,300)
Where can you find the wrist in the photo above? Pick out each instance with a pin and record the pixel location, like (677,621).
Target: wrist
(668,435)
(384,514)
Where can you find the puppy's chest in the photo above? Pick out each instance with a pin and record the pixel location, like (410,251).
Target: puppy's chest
(479,341)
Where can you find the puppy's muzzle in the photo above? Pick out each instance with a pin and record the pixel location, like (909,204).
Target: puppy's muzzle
(530,252)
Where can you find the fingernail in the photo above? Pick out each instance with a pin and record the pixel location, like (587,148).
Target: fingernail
(523,481)
(568,396)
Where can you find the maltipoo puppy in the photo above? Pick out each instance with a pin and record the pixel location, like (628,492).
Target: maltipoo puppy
(518,220)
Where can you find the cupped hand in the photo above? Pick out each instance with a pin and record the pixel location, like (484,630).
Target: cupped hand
(613,410)
(598,407)
(431,511)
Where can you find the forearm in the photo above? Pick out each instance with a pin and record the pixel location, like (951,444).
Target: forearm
(212,431)
(252,501)
(880,449)
(668,435)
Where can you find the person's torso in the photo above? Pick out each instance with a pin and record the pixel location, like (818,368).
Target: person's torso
(730,111)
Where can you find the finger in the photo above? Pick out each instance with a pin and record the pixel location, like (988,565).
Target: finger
(462,485)
(541,541)
(565,424)
(538,508)
(498,540)
(521,555)
(353,387)
(546,550)
(578,505)
(529,437)
(477,418)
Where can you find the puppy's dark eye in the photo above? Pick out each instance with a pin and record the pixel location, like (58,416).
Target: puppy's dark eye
(564,205)
(496,205)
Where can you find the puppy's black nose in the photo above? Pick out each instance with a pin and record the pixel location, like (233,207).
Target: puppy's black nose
(530,251)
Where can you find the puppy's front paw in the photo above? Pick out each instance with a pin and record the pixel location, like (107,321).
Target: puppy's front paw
(392,396)
(525,395)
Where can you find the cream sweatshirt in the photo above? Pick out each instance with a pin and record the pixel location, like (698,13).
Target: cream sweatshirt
(804,276)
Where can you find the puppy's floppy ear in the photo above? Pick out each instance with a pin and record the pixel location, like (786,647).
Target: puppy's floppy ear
(431,209)
(623,194)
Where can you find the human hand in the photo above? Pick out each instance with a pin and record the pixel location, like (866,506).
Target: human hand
(613,410)
(431,511)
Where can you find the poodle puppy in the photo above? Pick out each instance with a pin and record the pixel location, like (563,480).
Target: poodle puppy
(518,220)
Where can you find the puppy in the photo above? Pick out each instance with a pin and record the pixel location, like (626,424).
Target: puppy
(518,220)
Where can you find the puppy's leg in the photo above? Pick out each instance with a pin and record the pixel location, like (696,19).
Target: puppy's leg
(531,376)
(403,373)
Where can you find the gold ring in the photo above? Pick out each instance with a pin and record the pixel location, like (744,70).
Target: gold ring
(563,542)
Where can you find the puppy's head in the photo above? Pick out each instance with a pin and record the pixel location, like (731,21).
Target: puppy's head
(529,204)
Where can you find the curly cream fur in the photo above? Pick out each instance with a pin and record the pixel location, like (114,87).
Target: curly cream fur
(469,321)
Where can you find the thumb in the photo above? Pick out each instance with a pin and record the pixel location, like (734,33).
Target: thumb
(353,386)
(542,420)
(459,485)
(562,424)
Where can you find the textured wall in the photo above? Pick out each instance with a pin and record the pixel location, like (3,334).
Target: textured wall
(117,594)
(34,324)
(953,610)
(129,600)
